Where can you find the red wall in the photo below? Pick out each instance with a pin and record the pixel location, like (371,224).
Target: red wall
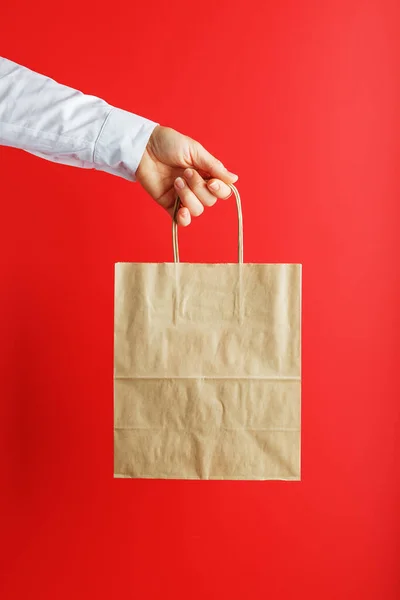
(302,100)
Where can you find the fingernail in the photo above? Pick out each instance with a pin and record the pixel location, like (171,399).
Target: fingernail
(214,186)
(184,213)
(179,183)
(188,173)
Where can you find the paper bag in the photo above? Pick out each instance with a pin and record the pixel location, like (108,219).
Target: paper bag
(207,369)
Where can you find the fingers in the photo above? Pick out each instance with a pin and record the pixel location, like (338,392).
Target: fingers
(195,193)
(205,161)
(219,189)
(183,217)
(188,198)
(207,191)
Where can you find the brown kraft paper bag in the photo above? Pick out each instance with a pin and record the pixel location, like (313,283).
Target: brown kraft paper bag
(207,369)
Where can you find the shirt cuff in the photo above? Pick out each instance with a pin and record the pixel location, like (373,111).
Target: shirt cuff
(121,143)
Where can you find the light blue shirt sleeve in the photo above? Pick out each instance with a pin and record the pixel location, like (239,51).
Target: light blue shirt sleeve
(64,125)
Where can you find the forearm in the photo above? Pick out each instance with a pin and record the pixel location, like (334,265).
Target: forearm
(63,125)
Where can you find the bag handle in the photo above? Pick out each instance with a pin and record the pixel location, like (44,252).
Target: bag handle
(177,206)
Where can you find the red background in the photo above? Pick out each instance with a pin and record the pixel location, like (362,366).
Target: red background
(302,100)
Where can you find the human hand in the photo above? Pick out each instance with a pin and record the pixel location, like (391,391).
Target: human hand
(175,165)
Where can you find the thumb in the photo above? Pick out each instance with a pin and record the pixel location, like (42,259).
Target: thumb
(207,162)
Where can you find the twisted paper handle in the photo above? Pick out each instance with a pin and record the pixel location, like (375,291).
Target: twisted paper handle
(175,244)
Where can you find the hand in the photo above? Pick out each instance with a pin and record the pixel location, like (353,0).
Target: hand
(175,165)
